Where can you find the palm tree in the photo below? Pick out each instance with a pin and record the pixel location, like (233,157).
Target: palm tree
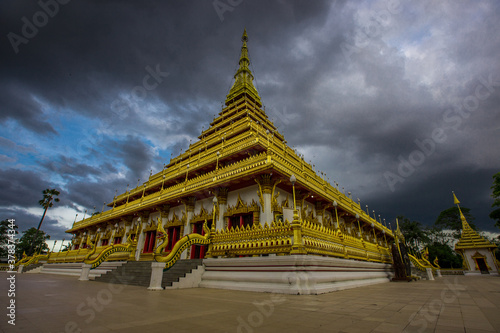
(49,195)
(46,202)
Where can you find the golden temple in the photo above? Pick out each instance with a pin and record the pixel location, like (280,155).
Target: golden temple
(476,251)
(268,200)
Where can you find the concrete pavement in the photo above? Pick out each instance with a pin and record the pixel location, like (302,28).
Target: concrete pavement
(53,303)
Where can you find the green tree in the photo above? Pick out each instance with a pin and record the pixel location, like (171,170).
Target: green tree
(49,195)
(495,215)
(413,232)
(450,219)
(5,226)
(32,241)
(438,235)
(447,257)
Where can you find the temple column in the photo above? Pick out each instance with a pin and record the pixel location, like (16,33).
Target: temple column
(189,203)
(265,189)
(164,210)
(113,233)
(99,233)
(222,204)
(128,223)
(319,212)
(140,240)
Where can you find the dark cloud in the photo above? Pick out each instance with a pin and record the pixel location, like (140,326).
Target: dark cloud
(78,115)
(21,188)
(25,221)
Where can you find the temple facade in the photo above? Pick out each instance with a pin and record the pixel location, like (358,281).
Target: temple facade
(478,254)
(269,200)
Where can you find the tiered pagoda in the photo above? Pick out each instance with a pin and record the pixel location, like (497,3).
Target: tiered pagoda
(243,161)
(476,251)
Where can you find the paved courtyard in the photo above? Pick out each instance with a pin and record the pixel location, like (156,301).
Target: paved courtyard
(53,303)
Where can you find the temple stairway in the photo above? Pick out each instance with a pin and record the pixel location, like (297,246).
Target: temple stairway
(138,273)
(32,267)
(75,269)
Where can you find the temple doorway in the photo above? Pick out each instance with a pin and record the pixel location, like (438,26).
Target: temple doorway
(199,251)
(149,242)
(481,264)
(173,237)
(240,220)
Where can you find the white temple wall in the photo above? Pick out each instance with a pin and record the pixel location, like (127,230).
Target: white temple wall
(246,194)
(207,204)
(472,263)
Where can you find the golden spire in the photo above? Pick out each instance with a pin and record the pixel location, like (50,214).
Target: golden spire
(470,238)
(243,79)
(465,225)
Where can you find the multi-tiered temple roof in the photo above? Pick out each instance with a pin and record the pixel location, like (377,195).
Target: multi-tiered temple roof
(240,146)
(470,239)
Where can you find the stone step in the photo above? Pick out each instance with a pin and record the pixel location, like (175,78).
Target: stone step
(75,269)
(139,273)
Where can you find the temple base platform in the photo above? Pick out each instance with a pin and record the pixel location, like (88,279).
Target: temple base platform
(294,274)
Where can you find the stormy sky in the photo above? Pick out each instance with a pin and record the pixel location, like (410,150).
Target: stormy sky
(397,101)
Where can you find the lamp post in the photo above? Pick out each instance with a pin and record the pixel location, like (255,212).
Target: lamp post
(297,246)
(212,230)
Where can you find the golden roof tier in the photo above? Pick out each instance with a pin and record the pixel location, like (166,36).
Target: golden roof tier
(241,148)
(470,239)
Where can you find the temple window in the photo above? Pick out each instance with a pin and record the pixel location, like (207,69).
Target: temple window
(117,240)
(105,242)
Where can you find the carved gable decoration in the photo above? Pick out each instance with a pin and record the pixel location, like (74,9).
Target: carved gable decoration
(151,226)
(175,221)
(241,207)
(120,232)
(478,255)
(107,234)
(202,216)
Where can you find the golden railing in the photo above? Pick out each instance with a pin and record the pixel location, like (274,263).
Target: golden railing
(277,239)
(79,255)
(253,240)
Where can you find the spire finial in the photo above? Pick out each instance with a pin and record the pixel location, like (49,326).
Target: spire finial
(462,217)
(244,38)
(243,79)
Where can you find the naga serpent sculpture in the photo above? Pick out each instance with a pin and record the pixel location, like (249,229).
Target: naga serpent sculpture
(129,246)
(179,247)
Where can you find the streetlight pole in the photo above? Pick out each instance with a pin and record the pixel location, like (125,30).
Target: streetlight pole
(297,246)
